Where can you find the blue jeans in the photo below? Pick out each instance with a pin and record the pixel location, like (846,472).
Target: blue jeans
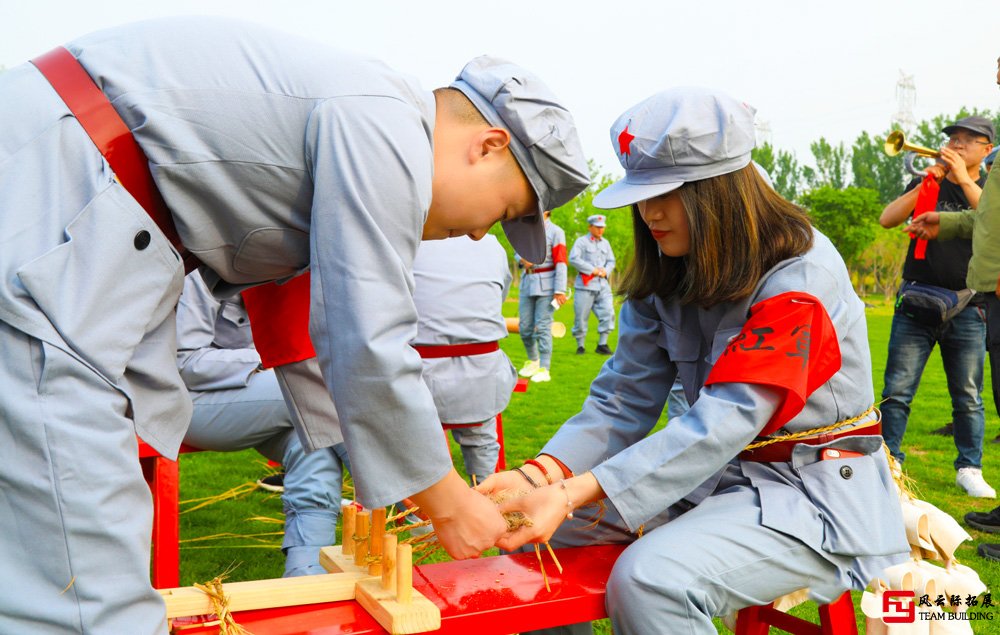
(536,327)
(963,350)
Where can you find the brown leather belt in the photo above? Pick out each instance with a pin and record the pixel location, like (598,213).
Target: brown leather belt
(781,451)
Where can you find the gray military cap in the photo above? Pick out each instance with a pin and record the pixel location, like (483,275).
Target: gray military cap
(676,136)
(543,140)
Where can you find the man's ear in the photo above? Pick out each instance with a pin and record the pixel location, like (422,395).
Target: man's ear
(489,142)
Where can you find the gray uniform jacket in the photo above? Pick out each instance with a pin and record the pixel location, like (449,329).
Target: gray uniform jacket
(587,254)
(547,282)
(460,288)
(214,345)
(273,154)
(805,498)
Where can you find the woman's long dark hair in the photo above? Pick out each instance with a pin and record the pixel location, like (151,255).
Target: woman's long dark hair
(740,227)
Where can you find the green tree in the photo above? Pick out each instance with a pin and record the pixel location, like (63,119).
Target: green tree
(847,217)
(831,164)
(783,168)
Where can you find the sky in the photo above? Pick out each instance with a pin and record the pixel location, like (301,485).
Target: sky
(810,68)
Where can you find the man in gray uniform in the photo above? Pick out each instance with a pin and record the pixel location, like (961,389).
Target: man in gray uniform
(272,154)
(460,286)
(239,405)
(594,261)
(543,288)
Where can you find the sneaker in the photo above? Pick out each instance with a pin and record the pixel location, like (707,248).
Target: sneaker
(580,350)
(273,483)
(603,349)
(542,375)
(971,480)
(984,521)
(529,369)
(947,430)
(990,552)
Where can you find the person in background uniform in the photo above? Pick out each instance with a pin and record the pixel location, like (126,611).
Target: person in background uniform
(594,261)
(272,154)
(543,287)
(961,339)
(459,289)
(239,405)
(768,337)
(990,158)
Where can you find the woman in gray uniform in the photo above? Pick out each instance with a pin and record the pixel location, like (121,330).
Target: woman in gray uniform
(732,291)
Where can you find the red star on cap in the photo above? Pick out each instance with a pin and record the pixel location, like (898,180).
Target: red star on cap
(624,141)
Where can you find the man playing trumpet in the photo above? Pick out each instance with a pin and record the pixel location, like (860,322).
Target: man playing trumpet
(961,339)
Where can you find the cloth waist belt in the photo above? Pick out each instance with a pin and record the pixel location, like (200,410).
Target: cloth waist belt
(112,137)
(456,350)
(781,451)
(541,269)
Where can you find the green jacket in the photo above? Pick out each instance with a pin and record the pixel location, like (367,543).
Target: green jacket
(983,226)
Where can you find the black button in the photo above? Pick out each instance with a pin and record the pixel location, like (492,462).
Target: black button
(141,240)
(846,471)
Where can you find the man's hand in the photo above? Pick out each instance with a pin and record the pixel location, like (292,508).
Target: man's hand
(925,226)
(526,264)
(599,272)
(560,298)
(956,166)
(466,522)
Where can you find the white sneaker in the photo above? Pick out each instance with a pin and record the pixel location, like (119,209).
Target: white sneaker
(529,369)
(971,480)
(542,375)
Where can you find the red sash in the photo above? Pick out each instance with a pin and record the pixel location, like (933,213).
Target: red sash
(927,199)
(788,344)
(112,137)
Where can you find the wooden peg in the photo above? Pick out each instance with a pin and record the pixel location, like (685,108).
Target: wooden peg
(404,574)
(350,514)
(377,534)
(389,562)
(361,535)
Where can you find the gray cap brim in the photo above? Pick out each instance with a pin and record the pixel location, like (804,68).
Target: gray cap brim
(622,193)
(527,236)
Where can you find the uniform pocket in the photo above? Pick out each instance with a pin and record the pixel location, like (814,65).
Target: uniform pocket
(104,286)
(858,504)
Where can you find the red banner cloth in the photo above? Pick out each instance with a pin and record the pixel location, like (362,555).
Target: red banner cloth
(927,198)
(279,321)
(788,344)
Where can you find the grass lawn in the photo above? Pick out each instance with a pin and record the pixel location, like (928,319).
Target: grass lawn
(244,533)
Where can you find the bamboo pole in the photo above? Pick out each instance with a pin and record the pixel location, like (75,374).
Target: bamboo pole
(350,514)
(361,535)
(377,534)
(404,574)
(389,562)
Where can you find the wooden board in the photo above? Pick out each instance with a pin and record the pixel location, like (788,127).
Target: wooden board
(265,594)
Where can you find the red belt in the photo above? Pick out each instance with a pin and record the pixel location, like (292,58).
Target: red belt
(541,269)
(781,451)
(112,137)
(456,350)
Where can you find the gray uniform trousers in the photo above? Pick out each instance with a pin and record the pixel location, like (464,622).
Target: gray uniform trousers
(75,512)
(603,305)
(689,566)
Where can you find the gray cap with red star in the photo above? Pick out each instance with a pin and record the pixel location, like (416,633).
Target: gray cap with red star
(676,136)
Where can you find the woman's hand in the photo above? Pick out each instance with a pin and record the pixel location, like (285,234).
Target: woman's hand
(545,507)
(500,482)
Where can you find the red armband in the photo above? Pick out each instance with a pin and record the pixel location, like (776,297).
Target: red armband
(279,321)
(559,254)
(927,199)
(788,344)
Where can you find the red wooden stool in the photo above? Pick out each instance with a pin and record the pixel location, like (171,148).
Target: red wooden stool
(163,477)
(520,386)
(836,618)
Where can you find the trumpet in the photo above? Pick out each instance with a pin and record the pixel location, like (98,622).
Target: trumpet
(896,143)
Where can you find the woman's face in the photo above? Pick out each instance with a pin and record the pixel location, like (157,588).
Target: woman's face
(668,223)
